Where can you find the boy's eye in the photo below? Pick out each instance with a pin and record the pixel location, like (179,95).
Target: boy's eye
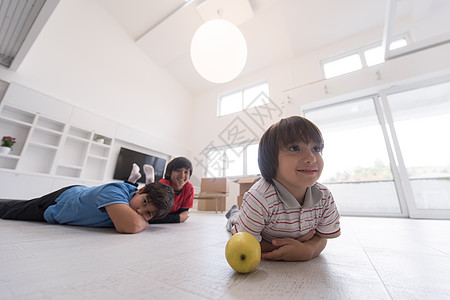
(294,148)
(145,201)
(317,149)
(149,214)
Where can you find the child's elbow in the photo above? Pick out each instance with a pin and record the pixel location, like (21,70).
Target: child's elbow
(127,231)
(130,228)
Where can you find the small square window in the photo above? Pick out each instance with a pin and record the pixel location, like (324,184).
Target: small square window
(230,103)
(342,65)
(256,95)
(374,56)
(244,99)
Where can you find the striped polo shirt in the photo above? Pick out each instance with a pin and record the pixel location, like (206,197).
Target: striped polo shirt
(270,211)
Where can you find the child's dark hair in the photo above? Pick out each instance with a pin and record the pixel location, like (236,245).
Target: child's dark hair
(160,196)
(282,134)
(178,163)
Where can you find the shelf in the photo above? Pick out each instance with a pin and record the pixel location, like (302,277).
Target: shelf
(70,167)
(44,136)
(9,155)
(79,133)
(49,124)
(97,157)
(103,145)
(94,169)
(76,138)
(99,150)
(8,161)
(102,140)
(18,130)
(68,171)
(37,158)
(15,122)
(42,145)
(48,131)
(17,115)
(73,152)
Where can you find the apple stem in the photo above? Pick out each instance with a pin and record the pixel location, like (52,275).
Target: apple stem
(242,257)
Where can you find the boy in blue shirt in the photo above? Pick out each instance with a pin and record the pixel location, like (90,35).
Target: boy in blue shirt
(120,205)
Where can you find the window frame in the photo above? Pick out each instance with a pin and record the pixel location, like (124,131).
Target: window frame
(242,92)
(360,52)
(223,149)
(401,178)
(404,36)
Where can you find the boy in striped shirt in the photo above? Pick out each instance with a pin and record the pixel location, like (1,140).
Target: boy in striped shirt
(288,211)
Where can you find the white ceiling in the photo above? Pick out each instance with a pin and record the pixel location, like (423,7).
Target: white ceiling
(278,30)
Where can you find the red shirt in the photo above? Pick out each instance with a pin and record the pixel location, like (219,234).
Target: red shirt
(186,197)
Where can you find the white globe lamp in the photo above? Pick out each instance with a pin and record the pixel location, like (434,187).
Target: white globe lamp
(218,51)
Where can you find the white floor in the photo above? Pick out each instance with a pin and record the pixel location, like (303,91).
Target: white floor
(375,258)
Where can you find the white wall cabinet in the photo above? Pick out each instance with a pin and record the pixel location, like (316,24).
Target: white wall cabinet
(50,147)
(58,144)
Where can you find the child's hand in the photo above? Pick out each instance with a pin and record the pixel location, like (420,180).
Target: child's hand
(295,250)
(184,216)
(289,250)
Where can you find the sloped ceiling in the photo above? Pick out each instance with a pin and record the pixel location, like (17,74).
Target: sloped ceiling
(277,30)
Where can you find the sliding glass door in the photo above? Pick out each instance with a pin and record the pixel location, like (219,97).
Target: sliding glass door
(389,154)
(357,164)
(421,121)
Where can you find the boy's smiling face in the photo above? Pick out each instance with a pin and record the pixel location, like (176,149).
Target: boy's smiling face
(299,166)
(179,177)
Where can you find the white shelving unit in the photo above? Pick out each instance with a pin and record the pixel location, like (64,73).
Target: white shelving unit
(58,144)
(50,147)
(15,123)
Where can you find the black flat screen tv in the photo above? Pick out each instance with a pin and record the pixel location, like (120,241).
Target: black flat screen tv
(125,163)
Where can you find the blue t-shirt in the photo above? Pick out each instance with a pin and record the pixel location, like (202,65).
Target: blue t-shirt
(85,206)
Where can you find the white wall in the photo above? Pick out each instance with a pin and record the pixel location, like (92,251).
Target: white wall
(83,57)
(297,82)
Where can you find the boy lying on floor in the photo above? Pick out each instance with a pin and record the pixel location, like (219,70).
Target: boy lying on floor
(120,205)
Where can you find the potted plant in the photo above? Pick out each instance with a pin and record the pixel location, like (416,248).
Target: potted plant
(100,139)
(7,143)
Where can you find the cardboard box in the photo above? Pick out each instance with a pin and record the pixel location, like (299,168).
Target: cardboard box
(209,204)
(245,184)
(215,185)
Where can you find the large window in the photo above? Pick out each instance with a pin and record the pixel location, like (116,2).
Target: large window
(388,154)
(233,161)
(421,118)
(357,166)
(243,99)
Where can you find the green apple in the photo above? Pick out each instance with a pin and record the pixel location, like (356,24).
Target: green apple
(243,252)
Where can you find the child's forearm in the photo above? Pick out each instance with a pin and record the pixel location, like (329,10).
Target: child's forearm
(289,249)
(125,219)
(317,245)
